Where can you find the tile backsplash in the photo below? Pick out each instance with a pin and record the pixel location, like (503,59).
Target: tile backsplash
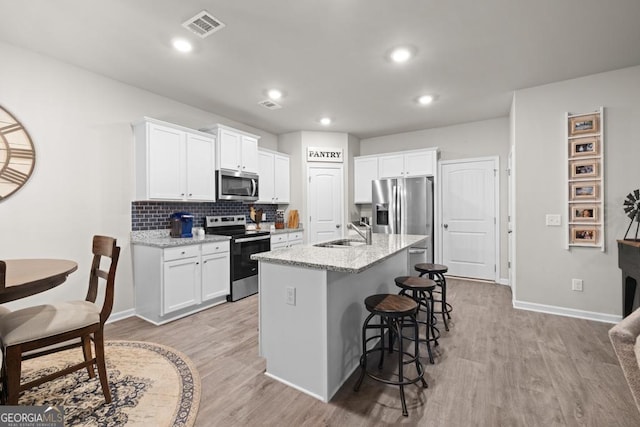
(155,215)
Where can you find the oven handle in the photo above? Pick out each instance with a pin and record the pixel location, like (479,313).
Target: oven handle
(252,239)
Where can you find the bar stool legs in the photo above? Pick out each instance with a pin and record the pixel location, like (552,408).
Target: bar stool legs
(392,310)
(436,273)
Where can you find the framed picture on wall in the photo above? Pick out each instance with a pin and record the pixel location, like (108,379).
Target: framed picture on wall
(584,190)
(585,213)
(584,124)
(581,147)
(584,234)
(584,169)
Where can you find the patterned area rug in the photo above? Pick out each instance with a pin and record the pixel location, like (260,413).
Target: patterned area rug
(151,385)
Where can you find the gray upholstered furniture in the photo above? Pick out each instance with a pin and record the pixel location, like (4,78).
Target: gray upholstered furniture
(626,343)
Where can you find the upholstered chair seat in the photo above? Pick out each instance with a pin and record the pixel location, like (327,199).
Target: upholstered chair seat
(43,321)
(625,337)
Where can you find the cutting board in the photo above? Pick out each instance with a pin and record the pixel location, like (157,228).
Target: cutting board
(293,219)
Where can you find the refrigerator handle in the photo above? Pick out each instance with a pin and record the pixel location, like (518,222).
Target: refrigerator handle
(399,216)
(394,208)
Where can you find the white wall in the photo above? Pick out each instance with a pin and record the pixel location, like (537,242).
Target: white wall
(469,140)
(544,267)
(83,179)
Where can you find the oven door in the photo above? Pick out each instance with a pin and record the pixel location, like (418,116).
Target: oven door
(237,186)
(244,270)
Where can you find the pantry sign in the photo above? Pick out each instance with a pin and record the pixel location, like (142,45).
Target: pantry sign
(315,154)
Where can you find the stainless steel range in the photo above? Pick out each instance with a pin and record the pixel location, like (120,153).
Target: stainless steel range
(244,243)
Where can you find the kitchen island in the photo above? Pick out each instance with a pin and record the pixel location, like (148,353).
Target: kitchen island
(312,307)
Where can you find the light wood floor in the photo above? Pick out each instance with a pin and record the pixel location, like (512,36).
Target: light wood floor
(497,366)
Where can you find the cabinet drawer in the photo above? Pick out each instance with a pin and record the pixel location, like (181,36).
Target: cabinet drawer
(181,252)
(215,247)
(278,238)
(295,236)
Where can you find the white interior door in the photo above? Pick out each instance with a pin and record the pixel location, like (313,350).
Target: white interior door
(511,221)
(324,202)
(469,218)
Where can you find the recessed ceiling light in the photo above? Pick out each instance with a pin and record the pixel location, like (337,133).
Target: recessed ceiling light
(182,45)
(274,94)
(426,99)
(401,54)
(325,121)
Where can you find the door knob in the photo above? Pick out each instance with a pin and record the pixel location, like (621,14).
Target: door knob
(445,225)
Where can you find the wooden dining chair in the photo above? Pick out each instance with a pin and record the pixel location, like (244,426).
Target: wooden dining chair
(44,329)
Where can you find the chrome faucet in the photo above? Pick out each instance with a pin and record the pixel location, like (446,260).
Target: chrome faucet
(366,235)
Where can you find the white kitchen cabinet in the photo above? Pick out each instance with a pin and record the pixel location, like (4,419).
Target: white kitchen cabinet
(407,164)
(171,283)
(181,279)
(173,162)
(287,240)
(216,274)
(235,150)
(365,170)
(273,170)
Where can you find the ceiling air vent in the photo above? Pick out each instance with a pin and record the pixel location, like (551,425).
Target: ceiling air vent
(203,24)
(267,103)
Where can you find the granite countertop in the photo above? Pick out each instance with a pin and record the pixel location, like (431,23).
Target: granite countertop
(350,259)
(161,239)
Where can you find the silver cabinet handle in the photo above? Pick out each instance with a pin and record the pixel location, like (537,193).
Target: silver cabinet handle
(338,225)
(445,225)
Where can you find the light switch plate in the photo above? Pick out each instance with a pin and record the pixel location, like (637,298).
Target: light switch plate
(553,220)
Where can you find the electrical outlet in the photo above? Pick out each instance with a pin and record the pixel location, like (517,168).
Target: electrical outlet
(291,295)
(576,285)
(553,220)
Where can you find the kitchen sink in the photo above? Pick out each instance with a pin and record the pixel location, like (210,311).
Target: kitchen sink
(342,243)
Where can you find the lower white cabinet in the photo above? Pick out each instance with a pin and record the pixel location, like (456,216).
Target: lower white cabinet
(287,240)
(216,275)
(171,283)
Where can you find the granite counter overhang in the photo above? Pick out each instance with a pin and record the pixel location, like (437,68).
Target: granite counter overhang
(353,259)
(161,239)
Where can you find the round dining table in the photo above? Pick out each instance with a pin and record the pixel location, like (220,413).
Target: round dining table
(26,277)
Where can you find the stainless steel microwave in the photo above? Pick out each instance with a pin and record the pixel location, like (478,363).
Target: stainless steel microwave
(234,185)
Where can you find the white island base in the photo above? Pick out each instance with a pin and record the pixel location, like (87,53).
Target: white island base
(314,344)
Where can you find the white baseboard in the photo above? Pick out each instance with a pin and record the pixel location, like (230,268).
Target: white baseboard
(121,315)
(569,312)
(305,391)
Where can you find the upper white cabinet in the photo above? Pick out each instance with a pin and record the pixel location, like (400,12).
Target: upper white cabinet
(408,163)
(365,170)
(173,162)
(273,170)
(391,165)
(235,150)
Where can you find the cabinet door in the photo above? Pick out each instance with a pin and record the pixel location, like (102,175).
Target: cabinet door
(216,275)
(200,168)
(365,170)
(279,240)
(281,179)
(166,163)
(265,173)
(391,166)
(181,284)
(419,163)
(230,150)
(249,154)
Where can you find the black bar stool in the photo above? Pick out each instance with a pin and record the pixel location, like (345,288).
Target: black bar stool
(420,289)
(436,273)
(392,310)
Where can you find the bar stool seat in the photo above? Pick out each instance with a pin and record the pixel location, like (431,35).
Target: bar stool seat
(436,273)
(393,310)
(420,289)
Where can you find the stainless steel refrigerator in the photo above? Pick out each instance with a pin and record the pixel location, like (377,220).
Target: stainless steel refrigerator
(405,206)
